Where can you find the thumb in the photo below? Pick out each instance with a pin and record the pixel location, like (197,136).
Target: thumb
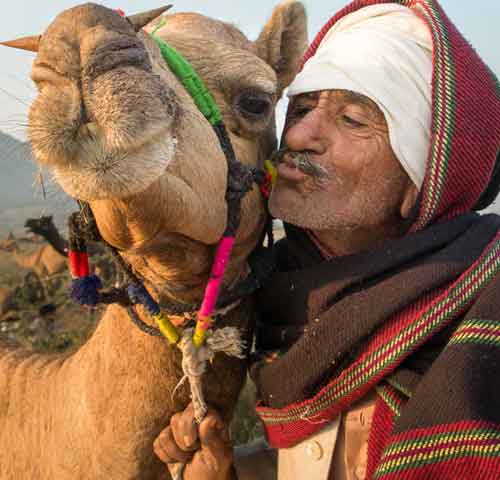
(215,442)
(215,456)
(214,432)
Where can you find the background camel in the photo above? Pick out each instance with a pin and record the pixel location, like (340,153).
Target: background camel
(44,226)
(101,264)
(44,260)
(119,131)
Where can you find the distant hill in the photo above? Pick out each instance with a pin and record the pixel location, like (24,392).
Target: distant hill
(19,198)
(18,173)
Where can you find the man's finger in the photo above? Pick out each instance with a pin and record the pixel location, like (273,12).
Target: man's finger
(184,429)
(216,448)
(167,450)
(190,428)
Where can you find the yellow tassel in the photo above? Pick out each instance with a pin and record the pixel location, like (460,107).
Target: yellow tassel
(199,336)
(272,170)
(167,328)
(201,331)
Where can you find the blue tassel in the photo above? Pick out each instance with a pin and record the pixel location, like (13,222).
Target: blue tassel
(139,295)
(85,290)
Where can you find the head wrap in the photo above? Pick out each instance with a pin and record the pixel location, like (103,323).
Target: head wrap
(385,53)
(462,171)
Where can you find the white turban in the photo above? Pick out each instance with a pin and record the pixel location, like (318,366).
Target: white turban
(385,53)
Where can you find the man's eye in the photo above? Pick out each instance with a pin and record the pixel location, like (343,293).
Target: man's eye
(351,122)
(301,111)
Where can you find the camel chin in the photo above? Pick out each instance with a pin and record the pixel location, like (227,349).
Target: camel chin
(105,174)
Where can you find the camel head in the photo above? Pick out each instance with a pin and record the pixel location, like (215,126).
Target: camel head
(40,225)
(119,131)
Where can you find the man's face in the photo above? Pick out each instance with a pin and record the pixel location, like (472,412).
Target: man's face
(356,179)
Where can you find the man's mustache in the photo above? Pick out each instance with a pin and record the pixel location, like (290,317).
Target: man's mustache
(302,161)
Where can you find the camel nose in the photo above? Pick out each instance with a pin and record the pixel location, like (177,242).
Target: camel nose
(120,52)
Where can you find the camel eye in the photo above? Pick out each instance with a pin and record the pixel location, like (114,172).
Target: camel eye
(254,105)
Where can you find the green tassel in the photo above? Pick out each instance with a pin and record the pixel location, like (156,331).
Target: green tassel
(183,70)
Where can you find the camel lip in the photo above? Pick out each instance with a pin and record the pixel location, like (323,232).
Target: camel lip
(115,140)
(120,170)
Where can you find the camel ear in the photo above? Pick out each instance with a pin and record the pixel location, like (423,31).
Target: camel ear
(283,41)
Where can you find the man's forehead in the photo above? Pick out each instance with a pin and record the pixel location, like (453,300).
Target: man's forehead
(338,95)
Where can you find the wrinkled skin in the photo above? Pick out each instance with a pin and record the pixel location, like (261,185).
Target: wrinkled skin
(118,130)
(366,196)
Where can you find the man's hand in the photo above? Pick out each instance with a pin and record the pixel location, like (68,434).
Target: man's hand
(205,449)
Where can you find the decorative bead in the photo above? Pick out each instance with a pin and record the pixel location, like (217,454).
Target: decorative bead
(85,290)
(79,264)
(167,328)
(272,170)
(139,295)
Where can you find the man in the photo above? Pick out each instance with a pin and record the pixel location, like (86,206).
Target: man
(383,321)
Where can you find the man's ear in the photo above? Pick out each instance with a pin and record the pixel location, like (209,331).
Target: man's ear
(283,41)
(409,200)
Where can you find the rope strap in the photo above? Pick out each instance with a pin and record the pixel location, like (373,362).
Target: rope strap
(139,295)
(240,180)
(194,361)
(86,288)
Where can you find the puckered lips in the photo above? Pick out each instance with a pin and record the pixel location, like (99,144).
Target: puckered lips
(288,170)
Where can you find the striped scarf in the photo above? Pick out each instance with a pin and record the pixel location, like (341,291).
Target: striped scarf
(440,420)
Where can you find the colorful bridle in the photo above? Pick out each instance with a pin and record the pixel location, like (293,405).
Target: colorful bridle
(85,289)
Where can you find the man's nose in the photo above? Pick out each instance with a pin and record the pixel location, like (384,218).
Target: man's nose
(305,135)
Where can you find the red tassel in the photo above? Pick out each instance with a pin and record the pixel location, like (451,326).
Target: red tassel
(267,186)
(79,263)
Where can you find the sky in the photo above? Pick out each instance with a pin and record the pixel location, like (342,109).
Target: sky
(477,20)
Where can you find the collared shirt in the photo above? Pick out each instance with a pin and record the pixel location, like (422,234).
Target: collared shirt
(337,452)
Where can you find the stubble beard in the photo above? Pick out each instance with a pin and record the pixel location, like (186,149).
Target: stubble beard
(312,210)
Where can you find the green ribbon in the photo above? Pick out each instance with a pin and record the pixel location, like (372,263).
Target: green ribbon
(186,74)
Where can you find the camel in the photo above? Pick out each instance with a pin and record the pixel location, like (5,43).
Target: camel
(44,261)
(44,226)
(119,131)
(102,266)
(7,243)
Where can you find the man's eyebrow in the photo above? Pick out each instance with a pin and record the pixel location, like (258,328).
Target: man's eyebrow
(310,95)
(361,100)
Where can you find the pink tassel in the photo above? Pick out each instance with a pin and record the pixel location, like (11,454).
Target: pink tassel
(218,269)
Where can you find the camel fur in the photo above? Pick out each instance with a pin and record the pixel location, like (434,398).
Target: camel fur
(118,130)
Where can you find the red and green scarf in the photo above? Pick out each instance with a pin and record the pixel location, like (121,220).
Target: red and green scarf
(419,318)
